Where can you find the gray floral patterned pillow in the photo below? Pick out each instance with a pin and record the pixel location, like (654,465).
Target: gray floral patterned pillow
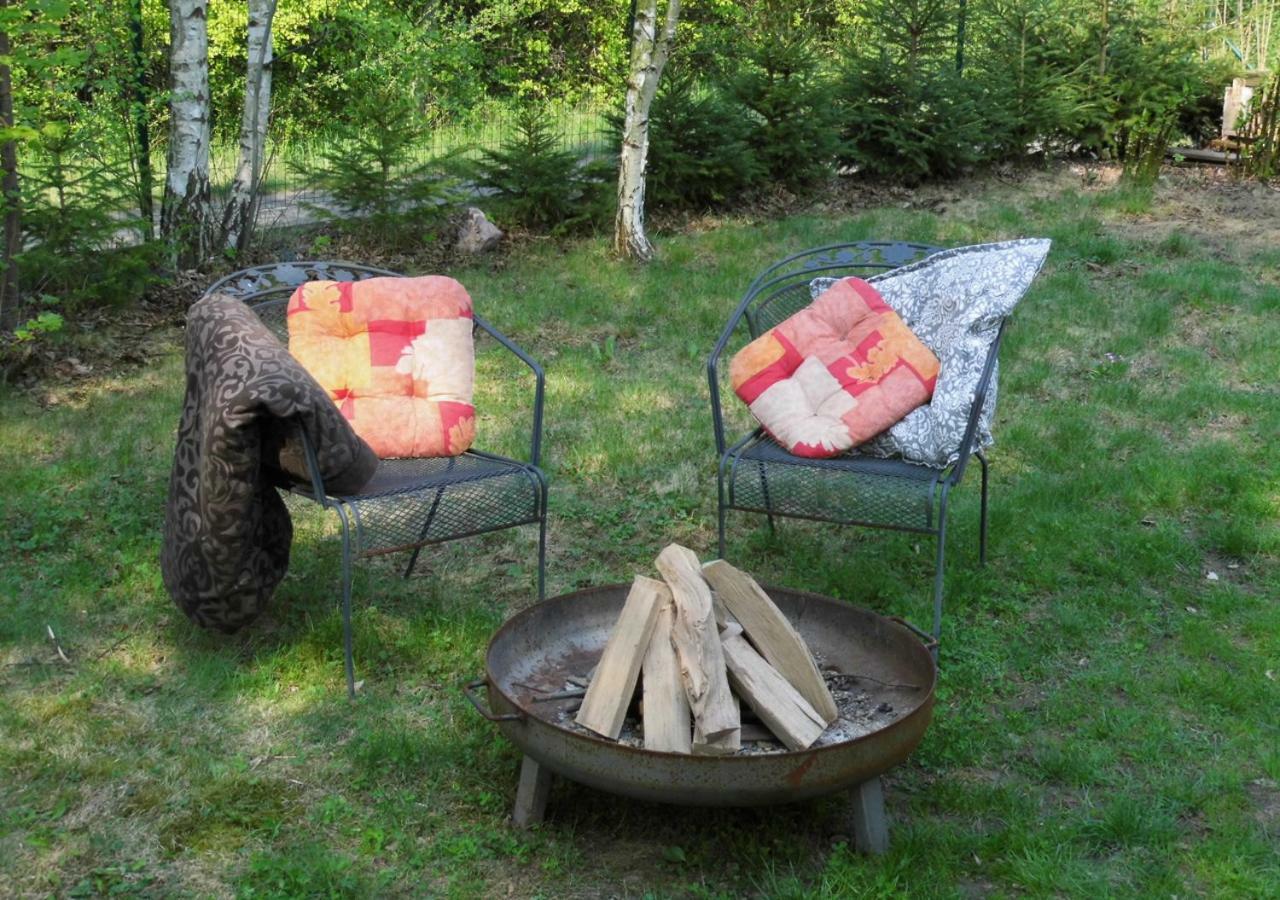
(954,301)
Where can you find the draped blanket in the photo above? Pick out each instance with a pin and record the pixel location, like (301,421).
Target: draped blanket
(226,529)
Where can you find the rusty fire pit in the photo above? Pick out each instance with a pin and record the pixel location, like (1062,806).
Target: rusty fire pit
(537,651)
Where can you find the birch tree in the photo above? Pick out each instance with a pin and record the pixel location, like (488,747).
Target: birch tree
(242,208)
(649,53)
(10,193)
(184,214)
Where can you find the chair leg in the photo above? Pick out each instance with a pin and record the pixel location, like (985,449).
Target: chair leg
(982,522)
(720,506)
(426,526)
(768,503)
(542,555)
(938,568)
(347,642)
(721,510)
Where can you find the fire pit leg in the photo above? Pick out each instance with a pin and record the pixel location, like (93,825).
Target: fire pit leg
(870,828)
(531,795)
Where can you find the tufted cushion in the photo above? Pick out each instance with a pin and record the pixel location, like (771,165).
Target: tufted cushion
(836,373)
(954,301)
(396,355)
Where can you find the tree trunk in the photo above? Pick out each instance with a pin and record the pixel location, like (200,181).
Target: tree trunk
(1104,38)
(141,129)
(649,54)
(10,196)
(242,208)
(184,214)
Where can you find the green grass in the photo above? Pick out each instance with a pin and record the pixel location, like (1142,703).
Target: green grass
(1106,723)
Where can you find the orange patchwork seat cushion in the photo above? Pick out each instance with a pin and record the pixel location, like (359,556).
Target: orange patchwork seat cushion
(835,374)
(396,355)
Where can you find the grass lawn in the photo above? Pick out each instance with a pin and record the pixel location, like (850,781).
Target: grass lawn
(1108,720)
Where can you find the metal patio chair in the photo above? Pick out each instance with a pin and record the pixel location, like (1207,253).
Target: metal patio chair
(409,503)
(758,475)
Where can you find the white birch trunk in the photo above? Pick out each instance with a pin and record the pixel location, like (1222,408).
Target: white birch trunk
(649,54)
(184,214)
(242,208)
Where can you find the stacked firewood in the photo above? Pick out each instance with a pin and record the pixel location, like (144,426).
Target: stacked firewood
(700,640)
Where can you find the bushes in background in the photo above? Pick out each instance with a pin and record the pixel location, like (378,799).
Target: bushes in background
(906,129)
(789,103)
(79,249)
(700,152)
(367,172)
(538,184)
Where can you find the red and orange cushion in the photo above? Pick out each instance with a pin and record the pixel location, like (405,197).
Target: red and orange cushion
(396,355)
(835,374)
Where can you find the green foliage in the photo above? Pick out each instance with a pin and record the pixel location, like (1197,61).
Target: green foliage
(78,244)
(1261,157)
(538,184)
(790,106)
(909,129)
(1032,83)
(449,56)
(369,173)
(1153,75)
(700,153)
(45,323)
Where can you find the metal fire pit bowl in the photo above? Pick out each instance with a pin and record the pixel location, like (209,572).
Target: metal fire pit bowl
(539,648)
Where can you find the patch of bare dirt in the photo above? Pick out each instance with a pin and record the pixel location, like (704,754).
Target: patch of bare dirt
(1264,794)
(1235,218)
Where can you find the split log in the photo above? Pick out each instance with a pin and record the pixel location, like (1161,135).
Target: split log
(725,745)
(775,637)
(753,732)
(775,701)
(666,708)
(697,643)
(606,701)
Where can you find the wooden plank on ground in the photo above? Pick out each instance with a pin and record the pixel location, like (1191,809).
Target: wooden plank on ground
(605,704)
(775,701)
(775,637)
(667,721)
(697,643)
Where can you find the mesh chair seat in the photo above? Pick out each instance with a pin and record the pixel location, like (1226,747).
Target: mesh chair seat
(851,489)
(412,502)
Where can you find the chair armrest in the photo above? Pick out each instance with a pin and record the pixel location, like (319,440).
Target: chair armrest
(979,400)
(539,391)
(309,482)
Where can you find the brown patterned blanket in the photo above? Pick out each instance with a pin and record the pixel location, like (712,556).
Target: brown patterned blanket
(226,529)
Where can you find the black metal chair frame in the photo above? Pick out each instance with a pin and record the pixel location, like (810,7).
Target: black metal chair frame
(398,483)
(916,496)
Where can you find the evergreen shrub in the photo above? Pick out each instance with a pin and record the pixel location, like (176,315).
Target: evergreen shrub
(538,184)
(700,155)
(790,105)
(370,173)
(909,128)
(79,238)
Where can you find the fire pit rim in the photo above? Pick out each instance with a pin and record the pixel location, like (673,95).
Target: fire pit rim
(522,715)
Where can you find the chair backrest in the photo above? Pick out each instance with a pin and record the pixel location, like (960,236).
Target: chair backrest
(267,289)
(782,290)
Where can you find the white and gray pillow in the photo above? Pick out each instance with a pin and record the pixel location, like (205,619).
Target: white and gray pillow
(954,301)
